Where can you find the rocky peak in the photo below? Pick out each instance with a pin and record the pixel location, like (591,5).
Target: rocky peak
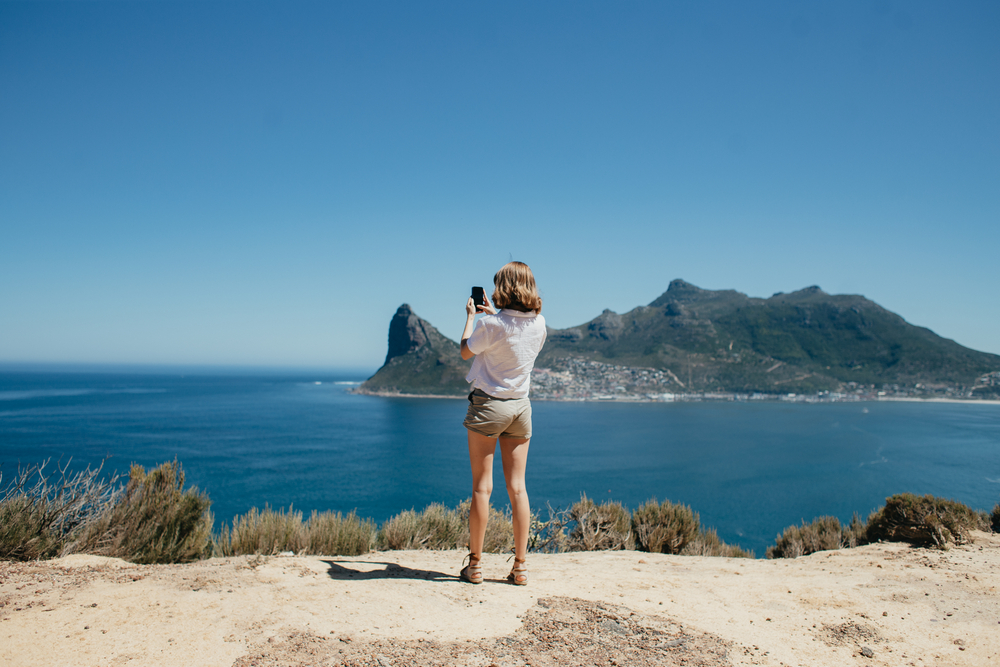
(407,332)
(607,325)
(680,287)
(678,290)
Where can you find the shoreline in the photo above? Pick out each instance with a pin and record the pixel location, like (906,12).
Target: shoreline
(702,398)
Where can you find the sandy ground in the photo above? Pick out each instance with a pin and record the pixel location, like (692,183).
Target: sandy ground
(884,604)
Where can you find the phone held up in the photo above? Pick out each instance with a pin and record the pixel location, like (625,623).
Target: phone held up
(478,296)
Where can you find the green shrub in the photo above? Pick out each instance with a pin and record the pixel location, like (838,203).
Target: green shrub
(38,517)
(923,520)
(333,534)
(437,527)
(822,534)
(664,527)
(599,527)
(154,521)
(995,519)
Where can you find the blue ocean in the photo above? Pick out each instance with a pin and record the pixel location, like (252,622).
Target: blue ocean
(304,440)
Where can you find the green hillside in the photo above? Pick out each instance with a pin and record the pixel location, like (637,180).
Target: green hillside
(806,341)
(709,341)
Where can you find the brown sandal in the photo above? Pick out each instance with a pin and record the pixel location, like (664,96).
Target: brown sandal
(519,573)
(473,572)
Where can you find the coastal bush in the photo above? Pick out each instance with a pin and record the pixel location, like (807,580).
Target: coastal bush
(154,521)
(25,532)
(707,543)
(39,510)
(548,536)
(265,532)
(822,534)
(334,534)
(995,519)
(855,534)
(270,532)
(664,527)
(603,527)
(499,536)
(923,520)
(436,527)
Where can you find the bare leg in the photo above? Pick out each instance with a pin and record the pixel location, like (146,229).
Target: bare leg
(481,450)
(514,453)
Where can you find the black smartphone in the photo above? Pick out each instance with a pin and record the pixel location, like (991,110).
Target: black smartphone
(478,296)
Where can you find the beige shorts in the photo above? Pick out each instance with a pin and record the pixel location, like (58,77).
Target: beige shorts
(498,417)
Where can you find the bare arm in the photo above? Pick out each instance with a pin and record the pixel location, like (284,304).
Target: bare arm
(470,318)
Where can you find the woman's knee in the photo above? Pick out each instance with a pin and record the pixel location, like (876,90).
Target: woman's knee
(516,488)
(483,489)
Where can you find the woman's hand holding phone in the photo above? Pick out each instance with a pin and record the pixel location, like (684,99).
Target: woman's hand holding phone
(473,306)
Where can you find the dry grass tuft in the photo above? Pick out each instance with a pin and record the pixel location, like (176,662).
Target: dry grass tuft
(707,543)
(334,534)
(269,532)
(822,534)
(265,532)
(436,527)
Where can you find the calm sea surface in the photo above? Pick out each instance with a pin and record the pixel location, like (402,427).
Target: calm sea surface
(749,469)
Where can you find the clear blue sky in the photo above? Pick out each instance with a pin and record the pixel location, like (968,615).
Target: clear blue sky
(243,183)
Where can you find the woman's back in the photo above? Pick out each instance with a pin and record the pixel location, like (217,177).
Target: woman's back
(506,345)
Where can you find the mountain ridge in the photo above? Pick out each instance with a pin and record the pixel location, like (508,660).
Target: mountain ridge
(701,340)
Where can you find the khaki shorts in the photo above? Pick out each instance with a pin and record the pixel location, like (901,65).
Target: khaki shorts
(498,417)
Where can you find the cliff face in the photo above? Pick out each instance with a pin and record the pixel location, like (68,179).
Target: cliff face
(419,360)
(407,333)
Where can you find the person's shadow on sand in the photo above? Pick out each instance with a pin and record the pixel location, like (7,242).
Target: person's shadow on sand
(390,571)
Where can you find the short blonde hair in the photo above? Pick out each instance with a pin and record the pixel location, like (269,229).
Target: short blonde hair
(514,288)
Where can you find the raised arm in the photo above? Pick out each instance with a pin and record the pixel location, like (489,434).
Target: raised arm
(470,318)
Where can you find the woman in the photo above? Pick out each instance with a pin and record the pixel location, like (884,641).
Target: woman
(504,345)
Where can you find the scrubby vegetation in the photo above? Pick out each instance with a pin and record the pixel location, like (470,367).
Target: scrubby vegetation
(672,528)
(437,527)
(40,511)
(153,519)
(822,534)
(604,527)
(707,543)
(665,527)
(905,517)
(440,527)
(924,520)
(271,532)
(336,534)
